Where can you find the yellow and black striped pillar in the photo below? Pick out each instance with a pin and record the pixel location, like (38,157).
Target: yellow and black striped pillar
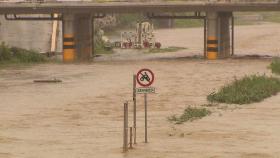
(69,45)
(212,36)
(68,48)
(212,47)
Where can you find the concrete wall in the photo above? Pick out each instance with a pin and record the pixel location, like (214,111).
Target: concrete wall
(29,34)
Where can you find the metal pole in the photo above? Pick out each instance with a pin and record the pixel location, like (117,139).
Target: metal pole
(219,55)
(205,36)
(134,107)
(146,131)
(92,36)
(125,121)
(130,137)
(232,35)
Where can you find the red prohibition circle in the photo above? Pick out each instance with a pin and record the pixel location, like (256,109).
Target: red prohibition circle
(149,82)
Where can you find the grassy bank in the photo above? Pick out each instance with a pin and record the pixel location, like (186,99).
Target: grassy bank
(16,55)
(190,114)
(100,49)
(164,50)
(247,90)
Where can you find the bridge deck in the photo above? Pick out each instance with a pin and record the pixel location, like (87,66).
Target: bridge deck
(128,7)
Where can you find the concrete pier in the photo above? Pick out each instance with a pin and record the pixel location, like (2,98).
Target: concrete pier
(84,36)
(69,46)
(212,35)
(77,37)
(224,34)
(218,35)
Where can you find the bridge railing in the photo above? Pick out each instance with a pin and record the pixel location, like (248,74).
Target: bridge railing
(243,1)
(230,1)
(43,1)
(132,1)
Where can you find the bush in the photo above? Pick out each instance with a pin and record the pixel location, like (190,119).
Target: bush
(5,52)
(188,23)
(247,90)
(190,114)
(14,54)
(100,47)
(275,66)
(163,50)
(27,56)
(129,20)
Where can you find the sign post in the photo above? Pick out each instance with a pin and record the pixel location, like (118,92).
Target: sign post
(125,121)
(145,78)
(134,107)
(146,118)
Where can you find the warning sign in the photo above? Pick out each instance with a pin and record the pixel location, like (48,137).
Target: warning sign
(145,77)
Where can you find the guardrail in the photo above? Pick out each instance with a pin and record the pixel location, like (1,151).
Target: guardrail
(132,1)
(229,1)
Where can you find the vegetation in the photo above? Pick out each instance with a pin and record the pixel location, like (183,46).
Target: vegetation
(271,16)
(253,18)
(190,114)
(101,48)
(188,23)
(275,66)
(129,20)
(19,55)
(163,50)
(247,90)
(209,105)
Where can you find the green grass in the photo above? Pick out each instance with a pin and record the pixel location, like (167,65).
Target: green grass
(126,21)
(190,114)
(271,16)
(247,90)
(164,50)
(267,17)
(275,66)
(129,20)
(100,48)
(16,55)
(188,23)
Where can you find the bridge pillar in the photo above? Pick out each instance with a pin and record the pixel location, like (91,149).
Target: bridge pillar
(218,34)
(69,50)
(212,35)
(77,37)
(84,36)
(224,34)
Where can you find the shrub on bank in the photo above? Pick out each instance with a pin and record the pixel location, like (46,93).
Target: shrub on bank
(275,66)
(247,90)
(190,114)
(163,50)
(19,55)
(5,52)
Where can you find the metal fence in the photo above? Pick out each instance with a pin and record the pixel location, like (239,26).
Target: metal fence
(132,1)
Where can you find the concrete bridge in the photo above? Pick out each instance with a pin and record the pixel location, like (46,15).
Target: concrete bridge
(78,18)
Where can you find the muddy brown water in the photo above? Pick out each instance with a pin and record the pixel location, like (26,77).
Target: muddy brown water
(82,116)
